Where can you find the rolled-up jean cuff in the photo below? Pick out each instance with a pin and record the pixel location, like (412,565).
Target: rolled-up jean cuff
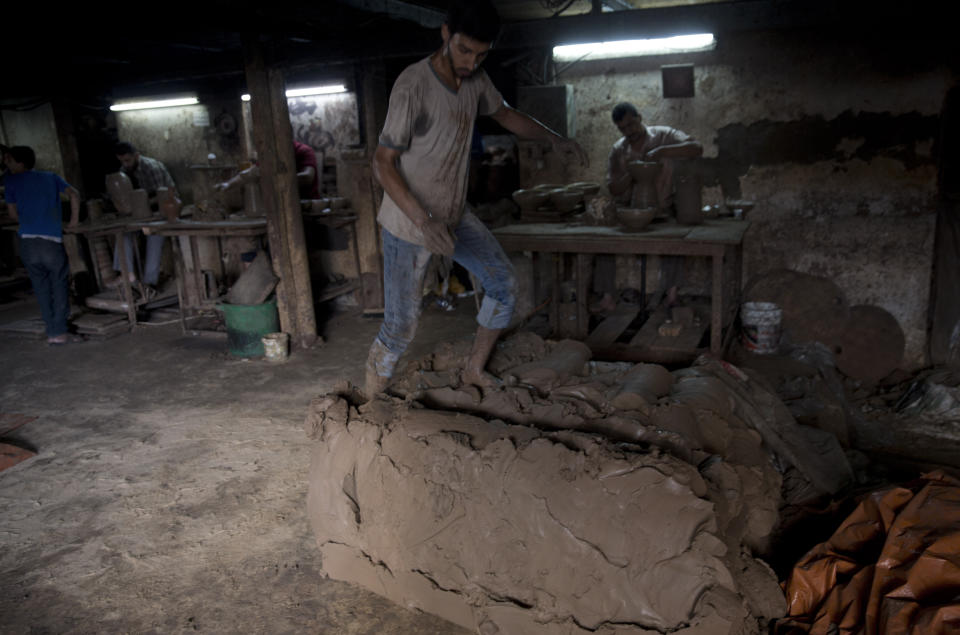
(493,314)
(384,360)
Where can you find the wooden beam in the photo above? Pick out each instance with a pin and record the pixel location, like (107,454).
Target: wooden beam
(273,138)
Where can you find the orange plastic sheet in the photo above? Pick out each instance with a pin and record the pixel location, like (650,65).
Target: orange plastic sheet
(892,567)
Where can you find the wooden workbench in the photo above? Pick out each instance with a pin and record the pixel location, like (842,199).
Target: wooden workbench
(191,286)
(115,228)
(719,240)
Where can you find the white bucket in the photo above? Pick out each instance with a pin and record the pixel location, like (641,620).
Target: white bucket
(761,327)
(276,346)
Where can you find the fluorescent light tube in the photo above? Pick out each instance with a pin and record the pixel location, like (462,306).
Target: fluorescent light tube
(158,103)
(634,48)
(303,92)
(316,90)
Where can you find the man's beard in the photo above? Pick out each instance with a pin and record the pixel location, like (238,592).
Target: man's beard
(462,73)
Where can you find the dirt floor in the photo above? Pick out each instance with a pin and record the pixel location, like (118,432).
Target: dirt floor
(168,493)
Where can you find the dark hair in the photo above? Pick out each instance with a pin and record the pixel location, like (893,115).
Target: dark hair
(24,155)
(623,109)
(474,18)
(124,147)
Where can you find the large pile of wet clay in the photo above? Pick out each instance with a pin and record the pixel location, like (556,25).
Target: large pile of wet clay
(580,498)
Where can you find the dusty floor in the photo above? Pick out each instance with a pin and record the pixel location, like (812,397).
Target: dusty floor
(169,490)
(168,494)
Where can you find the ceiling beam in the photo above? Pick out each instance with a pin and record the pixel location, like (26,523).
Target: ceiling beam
(400,10)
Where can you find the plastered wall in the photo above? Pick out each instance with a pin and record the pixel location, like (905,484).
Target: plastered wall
(833,137)
(185,136)
(34,127)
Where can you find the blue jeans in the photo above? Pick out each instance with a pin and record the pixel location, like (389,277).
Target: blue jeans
(151,267)
(404,266)
(46,263)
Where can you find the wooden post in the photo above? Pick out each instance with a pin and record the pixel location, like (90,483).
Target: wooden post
(273,137)
(355,181)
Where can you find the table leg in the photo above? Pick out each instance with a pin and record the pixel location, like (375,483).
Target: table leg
(716,303)
(643,288)
(356,260)
(179,266)
(583,324)
(199,283)
(125,281)
(555,290)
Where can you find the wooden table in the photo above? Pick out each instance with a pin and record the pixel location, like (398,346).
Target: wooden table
(719,240)
(186,263)
(116,228)
(340,220)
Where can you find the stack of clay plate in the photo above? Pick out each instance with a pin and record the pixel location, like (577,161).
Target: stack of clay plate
(560,203)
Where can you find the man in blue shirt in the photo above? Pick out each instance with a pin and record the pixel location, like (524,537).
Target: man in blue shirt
(33,198)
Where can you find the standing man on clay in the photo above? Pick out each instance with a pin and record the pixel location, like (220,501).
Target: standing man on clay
(659,144)
(150,175)
(422,163)
(33,198)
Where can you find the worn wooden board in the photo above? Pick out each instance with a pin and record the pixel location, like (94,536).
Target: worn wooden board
(871,344)
(688,338)
(611,328)
(32,326)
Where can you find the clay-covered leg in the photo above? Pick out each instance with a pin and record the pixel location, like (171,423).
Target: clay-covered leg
(481,254)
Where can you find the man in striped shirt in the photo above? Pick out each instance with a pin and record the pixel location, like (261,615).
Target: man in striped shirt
(150,175)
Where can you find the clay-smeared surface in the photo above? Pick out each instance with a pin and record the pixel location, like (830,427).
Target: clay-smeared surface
(531,514)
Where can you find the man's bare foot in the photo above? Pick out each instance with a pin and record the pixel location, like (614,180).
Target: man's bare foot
(481,379)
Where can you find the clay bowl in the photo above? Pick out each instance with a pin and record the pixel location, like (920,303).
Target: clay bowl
(635,219)
(746,206)
(530,199)
(643,170)
(588,188)
(565,200)
(548,186)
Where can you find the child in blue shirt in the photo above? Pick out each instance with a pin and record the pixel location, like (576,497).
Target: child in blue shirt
(33,198)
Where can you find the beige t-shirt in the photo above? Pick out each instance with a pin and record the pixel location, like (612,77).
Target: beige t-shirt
(432,126)
(622,153)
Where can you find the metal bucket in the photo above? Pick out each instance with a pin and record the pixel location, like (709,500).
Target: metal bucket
(276,346)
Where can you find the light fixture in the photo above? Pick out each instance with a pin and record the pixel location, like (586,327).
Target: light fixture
(303,92)
(634,48)
(157,103)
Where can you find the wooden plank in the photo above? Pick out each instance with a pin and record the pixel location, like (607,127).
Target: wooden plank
(688,339)
(611,328)
(719,231)
(647,334)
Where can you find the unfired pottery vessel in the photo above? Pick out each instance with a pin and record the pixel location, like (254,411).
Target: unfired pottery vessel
(120,189)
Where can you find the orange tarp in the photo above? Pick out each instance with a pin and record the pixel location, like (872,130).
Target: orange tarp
(892,567)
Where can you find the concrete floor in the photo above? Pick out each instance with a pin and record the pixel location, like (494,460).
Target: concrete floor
(168,493)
